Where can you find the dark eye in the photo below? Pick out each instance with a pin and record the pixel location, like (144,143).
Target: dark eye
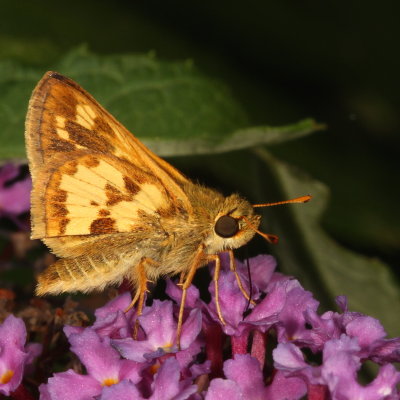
(226,226)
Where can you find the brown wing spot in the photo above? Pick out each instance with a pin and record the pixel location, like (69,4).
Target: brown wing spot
(100,125)
(166,212)
(59,197)
(61,145)
(102,225)
(63,225)
(87,138)
(71,168)
(114,196)
(103,213)
(91,161)
(142,177)
(58,210)
(131,186)
(94,203)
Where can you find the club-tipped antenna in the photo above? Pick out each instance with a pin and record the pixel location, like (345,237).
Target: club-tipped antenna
(268,236)
(301,199)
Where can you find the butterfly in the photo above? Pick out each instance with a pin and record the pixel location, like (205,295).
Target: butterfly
(113,210)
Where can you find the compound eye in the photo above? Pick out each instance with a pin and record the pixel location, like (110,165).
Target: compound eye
(226,226)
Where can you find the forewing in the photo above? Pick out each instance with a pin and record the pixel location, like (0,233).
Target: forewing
(90,175)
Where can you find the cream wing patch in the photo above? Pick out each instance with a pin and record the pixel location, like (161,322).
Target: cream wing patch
(93,195)
(60,127)
(85,116)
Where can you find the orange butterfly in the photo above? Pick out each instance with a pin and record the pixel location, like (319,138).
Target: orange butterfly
(111,209)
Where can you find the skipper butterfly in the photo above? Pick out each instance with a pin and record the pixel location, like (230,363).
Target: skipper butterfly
(113,210)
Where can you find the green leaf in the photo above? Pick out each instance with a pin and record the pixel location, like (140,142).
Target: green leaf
(170,105)
(322,265)
(236,140)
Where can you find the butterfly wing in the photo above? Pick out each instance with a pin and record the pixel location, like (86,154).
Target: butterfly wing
(98,193)
(90,175)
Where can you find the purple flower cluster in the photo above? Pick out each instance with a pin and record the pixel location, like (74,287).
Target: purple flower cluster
(219,361)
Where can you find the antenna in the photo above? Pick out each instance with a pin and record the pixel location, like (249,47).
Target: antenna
(268,236)
(301,199)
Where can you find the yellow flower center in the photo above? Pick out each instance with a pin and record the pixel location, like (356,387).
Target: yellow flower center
(167,347)
(6,377)
(109,381)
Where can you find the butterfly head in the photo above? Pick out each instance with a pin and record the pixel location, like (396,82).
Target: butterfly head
(236,223)
(233,226)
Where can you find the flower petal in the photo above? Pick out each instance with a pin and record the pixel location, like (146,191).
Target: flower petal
(100,359)
(167,385)
(13,332)
(232,303)
(366,329)
(14,198)
(262,268)
(222,389)
(133,349)
(288,357)
(124,390)
(175,292)
(158,323)
(288,388)
(245,371)
(12,353)
(70,385)
(191,328)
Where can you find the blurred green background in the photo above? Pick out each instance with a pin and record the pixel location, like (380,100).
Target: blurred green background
(282,62)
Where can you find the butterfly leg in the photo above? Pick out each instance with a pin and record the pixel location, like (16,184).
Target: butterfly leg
(141,290)
(185,285)
(216,278)
(232,267)
(133,302)
(181,278)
